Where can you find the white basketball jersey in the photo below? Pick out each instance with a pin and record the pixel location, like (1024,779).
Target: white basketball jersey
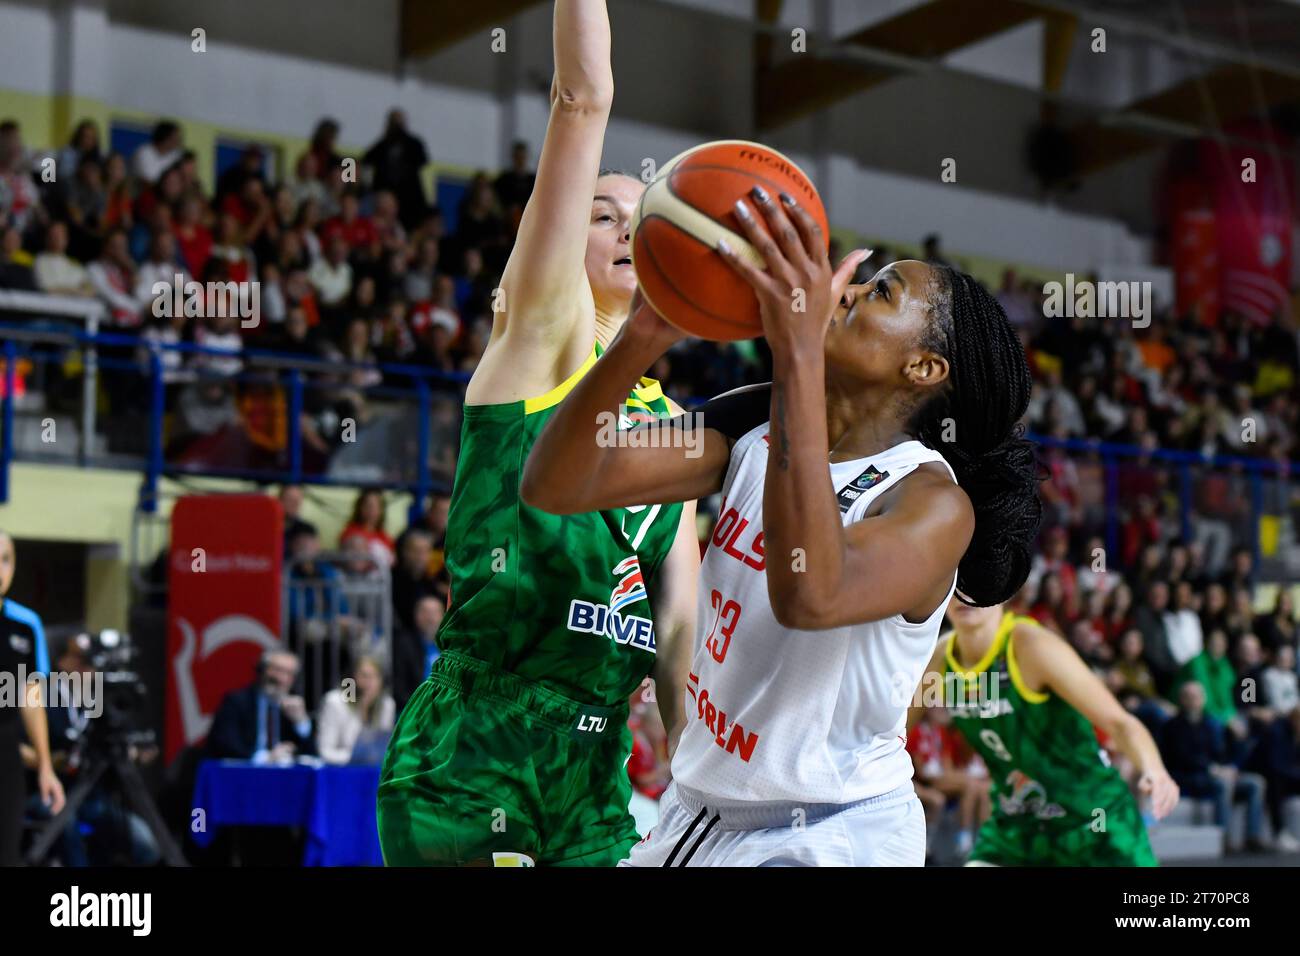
(778,714)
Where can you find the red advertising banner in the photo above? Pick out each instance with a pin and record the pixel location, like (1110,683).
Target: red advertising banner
(223,604)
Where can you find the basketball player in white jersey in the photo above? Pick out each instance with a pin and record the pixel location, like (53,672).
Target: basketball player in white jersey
(882,468)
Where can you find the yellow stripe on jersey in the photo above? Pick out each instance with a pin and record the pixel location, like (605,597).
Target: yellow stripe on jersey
(649,390)
(1005,627)
(1031,696)
(556,395)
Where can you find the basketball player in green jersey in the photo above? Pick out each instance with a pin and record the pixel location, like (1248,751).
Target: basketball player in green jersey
(513,751)
(1025,700)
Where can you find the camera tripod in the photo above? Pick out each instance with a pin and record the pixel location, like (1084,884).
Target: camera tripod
(111,758)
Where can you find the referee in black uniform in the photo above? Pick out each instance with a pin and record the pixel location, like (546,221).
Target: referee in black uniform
(23,658)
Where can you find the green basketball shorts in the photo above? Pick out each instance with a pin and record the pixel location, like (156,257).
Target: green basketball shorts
(484,767)
(1011,841)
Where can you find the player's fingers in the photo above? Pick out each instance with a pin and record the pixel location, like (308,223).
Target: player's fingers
(773,255)
(845,271)
(783,231)
(755,276)
(809,229)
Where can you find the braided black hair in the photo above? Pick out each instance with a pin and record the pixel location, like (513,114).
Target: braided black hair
(974,424)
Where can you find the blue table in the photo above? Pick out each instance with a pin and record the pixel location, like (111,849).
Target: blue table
(334,805)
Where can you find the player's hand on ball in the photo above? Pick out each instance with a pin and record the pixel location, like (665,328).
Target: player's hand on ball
(798,292)
(1162,790)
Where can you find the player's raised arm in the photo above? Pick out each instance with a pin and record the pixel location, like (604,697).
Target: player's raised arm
(1047,661)
(546,291)
(581,463)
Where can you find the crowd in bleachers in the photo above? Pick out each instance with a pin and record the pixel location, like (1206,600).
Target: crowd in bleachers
(1164,602)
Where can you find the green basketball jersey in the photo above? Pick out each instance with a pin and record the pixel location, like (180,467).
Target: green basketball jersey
(556,599)
(1056,798)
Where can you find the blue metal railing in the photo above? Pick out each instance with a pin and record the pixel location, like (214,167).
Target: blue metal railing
(291,372)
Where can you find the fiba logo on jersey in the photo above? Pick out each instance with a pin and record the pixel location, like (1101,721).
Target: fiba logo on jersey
(607,620)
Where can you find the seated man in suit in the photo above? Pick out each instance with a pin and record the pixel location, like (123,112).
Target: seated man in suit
(264,722)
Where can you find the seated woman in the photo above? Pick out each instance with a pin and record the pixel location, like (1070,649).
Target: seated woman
(355,720)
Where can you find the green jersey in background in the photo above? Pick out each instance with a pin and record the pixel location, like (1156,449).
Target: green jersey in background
(1057,801)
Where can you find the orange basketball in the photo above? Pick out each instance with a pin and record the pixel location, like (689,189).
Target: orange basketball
(682,215)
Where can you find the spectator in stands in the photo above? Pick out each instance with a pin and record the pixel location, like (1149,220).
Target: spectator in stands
(1018,307)
(481,225)
(230,249)
(1130,680)
(1248,661)
(82,144)
(514,185)
(160,267)
(1241,573)
(389,230)
(1278,627)
(306,185)
(356,720)
(19,197)
(113,276)
(220,334)
(193,237)
(422,273)
(323,141)
(1119,612)
(1151,621)
(291,499)
(367,522)
(205,409)
(55,271)
(358,232)
(434,521)
(1244,425)
(331,277)
(231,183)
(1279,682)
(1240,618)
(396,160)
(155,157)
(415,650)
(1053,608)
(939,779)
(412,577)
(168,329)
(84,203)
(1197,755)
(15,262)
(117,189)
(1214,672)
(1183,625)
(264,722)
(1281,758)
(1214,608)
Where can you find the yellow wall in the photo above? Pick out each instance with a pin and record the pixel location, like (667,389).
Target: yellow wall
(95,506)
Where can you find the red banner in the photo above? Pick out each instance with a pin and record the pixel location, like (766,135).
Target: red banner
(223,604)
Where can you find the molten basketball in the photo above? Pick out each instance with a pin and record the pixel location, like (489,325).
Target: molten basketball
(685,211)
